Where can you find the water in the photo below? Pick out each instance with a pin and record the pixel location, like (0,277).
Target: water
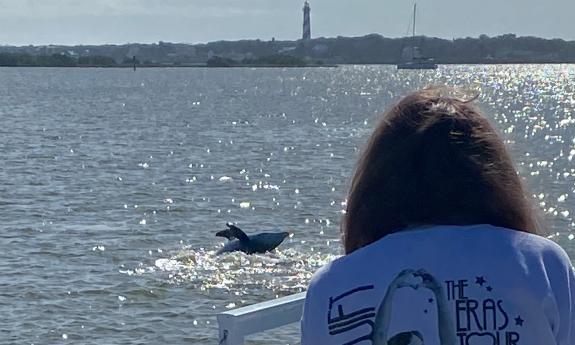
(113,183)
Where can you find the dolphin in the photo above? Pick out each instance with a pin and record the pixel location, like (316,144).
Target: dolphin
(258,243)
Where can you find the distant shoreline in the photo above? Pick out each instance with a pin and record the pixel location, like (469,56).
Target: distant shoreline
(370,49)
(181,66)
(286,66)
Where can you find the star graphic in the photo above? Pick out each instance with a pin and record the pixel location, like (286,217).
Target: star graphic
(425,311)
(489,288)
(430,300)
(479,281)
(519,321)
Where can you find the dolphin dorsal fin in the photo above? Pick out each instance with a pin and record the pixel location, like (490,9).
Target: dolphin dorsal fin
(238,233)
(225,233)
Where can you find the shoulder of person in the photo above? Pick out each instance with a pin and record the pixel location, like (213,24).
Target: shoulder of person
(329,274)
(542,246)
(320,275)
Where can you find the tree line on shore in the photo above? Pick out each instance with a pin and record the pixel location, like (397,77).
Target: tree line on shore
(59,60)
(369,49)
(269,61)
(482,50)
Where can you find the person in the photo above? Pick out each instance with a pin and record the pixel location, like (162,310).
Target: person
(442,243)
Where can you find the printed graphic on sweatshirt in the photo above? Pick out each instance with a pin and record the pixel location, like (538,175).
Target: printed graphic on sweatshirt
(343,320)
(466,313)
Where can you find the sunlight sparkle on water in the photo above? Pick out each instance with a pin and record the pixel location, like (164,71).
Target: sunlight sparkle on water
(283,270)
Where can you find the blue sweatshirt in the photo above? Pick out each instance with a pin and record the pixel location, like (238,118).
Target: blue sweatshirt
(445,285)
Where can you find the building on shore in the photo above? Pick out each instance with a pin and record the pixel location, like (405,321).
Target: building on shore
(306,22)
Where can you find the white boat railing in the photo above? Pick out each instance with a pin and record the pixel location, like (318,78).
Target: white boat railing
(235,324)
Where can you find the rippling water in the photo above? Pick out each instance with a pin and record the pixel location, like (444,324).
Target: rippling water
(113,183)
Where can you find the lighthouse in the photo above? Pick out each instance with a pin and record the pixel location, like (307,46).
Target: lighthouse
(306,22)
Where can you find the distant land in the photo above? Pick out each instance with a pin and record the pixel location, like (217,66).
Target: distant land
(370,49)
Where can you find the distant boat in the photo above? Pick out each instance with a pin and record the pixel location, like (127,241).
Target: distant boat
(411,56)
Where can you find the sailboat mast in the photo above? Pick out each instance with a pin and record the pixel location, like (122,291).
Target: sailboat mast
(414,14)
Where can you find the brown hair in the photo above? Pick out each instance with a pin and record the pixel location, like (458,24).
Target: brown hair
(433,160)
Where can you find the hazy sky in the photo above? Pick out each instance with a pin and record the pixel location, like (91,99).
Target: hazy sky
(25,22)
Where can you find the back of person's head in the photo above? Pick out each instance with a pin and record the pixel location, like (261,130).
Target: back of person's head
(433,160)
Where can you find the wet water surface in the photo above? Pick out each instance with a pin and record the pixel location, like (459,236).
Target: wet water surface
(113,184)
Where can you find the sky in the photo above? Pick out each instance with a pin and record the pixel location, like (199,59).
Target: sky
(71,22)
